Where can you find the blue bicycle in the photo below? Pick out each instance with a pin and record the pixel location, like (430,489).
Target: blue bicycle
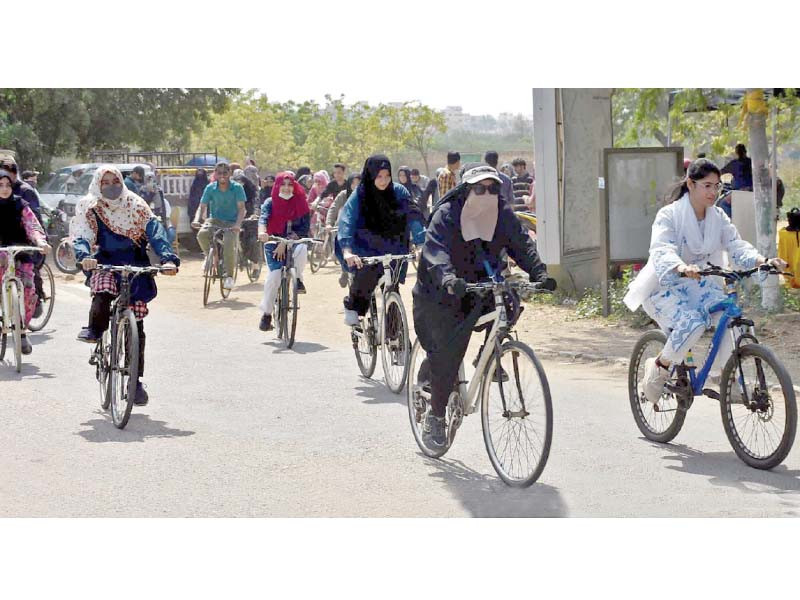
(756,397)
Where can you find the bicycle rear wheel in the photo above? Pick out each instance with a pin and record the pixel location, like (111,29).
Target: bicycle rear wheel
(281,303)
(64,257)
(516,415)
(418,396)
(210,273)
(124,366)
(395,345)
(659,422)
(315,257)
(761,429)
(365,341)
(49,285)
(15,321)
(102,368)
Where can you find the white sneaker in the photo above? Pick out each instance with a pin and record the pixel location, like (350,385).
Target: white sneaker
(228,283)
(654,379)
(350,317)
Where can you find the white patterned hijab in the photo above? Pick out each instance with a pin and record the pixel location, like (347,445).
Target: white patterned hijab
(127,215)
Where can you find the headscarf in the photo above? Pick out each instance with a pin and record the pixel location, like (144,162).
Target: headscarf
(303,180)
(380,207)
(12,231)
(348,186)
(408,184)
(127,215)
(283,210)
(321,181)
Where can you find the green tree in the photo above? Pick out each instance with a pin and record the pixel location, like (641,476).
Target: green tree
(39,124)
(420,126)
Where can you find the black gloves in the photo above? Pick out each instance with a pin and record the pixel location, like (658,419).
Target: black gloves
(456,286)
(543,282)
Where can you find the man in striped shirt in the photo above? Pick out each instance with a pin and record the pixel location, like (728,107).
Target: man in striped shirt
(447,180)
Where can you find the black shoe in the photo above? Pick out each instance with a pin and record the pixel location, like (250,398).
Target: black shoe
(88,336)
(266,323)
(141,398)
(433,431)
(26,345)
(37,312)
(344,279)
(301,289)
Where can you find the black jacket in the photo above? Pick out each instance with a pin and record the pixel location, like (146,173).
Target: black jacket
(445,254)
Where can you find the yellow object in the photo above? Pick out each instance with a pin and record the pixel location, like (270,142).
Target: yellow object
(174,217)
(789,250)
(753,103)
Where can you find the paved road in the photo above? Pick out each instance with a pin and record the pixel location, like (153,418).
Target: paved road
(237,426)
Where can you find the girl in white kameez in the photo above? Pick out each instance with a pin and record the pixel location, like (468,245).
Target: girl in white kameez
(690,231)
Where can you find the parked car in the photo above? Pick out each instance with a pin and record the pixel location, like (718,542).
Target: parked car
(70,184)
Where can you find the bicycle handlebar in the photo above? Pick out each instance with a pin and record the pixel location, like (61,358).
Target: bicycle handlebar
(730,275)
(13,250)
(485,287)
(386,258)
(131,269)
(288,242)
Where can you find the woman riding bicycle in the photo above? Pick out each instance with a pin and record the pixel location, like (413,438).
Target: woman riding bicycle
(690,231)
(468,230)
(376,220)
(112,226)
(20,227)
(285,214)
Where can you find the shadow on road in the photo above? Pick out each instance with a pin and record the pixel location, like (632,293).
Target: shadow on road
(230,303)
(725,469)
(29,371)
(297,348)
(139,428)
(376,392)
(487,496)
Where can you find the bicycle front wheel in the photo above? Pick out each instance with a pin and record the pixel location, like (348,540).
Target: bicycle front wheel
(395,345)
(103,368)
(365,341)
(49,285)
(758,405)
(516,414)
(291,310)
(210,273)
(659,422)
(315,257)
(124,366)
(64,257)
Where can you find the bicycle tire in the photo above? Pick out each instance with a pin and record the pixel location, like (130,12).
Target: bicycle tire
(394,316)
(253,269)
(47,302)
(418,404)
(3,325)
(532,471)
(17,305)
(730,422)
(313,259)
(366,344)
(221,271)
(291,310)
(124,367)
(209,274)
(660,428)
(64,257)
(3,342)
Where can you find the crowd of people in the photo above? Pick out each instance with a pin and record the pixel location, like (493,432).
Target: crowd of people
(463,219)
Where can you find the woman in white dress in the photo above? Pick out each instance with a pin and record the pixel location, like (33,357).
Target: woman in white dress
(690,231)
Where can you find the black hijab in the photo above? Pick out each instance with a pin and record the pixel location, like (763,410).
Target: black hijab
(198,184)
(380,207)
(12,231)
(348,186)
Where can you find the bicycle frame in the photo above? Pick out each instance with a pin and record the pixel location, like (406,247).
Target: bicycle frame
(389,280)
(730,311)
(499,320)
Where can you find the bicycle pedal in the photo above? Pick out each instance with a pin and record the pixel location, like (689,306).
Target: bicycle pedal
(713,394)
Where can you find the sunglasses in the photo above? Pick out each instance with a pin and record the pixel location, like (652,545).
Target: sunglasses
(480,189)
